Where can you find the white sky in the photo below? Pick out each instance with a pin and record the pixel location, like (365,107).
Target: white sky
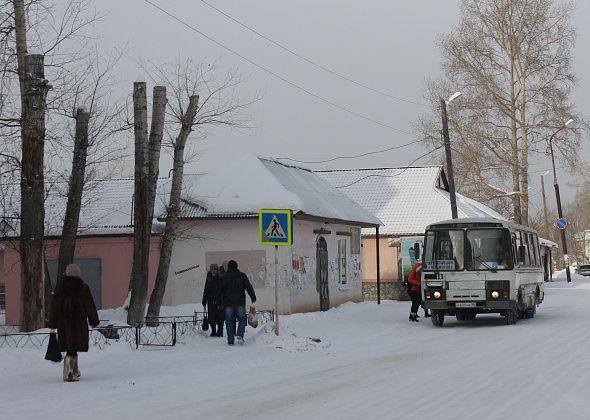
(387,45)
(370,363)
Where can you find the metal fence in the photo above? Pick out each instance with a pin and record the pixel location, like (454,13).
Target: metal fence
(166,332)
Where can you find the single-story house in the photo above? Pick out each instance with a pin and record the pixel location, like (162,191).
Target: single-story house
(104,246)
(219,222)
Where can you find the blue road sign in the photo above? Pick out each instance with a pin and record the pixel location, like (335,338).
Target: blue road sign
(275,227)
(561,223)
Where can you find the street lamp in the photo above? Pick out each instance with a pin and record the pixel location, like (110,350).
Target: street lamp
(447,141)
(558,200)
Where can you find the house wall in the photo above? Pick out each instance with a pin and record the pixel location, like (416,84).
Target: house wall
(388,267)
(388,260)
(213,241)
(115,254)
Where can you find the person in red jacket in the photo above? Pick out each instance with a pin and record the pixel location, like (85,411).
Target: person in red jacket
(414,292)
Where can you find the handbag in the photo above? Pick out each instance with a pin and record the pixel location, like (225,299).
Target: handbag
(205,324)
(252,317)
(53,354)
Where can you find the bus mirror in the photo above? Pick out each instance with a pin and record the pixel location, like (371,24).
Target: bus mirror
(417,251)
(521,254)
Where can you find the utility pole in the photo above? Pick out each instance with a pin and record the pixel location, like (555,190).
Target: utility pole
(545,208)
(558,200)
(546,225)
(445,124)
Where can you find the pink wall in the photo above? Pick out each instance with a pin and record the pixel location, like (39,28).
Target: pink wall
(115,253)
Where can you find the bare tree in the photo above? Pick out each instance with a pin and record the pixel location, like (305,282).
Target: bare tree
(187,81)
(512,59)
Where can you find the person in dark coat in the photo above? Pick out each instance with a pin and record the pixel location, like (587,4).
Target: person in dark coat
(72,309)
(212,301)
(235,285)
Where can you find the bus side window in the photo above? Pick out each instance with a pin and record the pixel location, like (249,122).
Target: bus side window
(514,249)
(535,242)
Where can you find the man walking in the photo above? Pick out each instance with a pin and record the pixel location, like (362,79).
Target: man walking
(235,286)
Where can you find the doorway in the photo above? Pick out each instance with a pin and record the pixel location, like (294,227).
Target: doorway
(322,273)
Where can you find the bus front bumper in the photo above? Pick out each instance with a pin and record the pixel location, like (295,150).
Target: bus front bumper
(478,305)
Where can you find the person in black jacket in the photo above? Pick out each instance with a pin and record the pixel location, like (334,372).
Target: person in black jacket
(71,311)
(235,284)
(213,301)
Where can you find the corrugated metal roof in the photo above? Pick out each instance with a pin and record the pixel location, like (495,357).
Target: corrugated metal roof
(106,208)
(406,200)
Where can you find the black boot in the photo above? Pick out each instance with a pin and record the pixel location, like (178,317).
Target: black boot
(426,313)
(213,331)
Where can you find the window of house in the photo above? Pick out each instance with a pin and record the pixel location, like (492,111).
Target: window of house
(342,275)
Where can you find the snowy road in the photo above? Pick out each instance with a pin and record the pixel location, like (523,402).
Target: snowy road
(371,363)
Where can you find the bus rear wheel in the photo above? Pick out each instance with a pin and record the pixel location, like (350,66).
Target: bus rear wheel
(438,318)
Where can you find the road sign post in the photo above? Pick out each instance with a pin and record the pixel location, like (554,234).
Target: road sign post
(275,228)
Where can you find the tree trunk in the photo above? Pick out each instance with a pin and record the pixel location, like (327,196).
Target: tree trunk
(48,290)
(155,145)
(20,29)
(514,164)
(173,211)
(524,151)
(32,195)
(67,244)
(139,274)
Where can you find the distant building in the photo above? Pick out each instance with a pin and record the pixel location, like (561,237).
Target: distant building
(406,200)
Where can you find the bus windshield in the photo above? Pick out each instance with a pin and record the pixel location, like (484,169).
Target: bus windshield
(471,249)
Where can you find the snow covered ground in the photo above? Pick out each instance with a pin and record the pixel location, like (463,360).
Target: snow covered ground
(371,363)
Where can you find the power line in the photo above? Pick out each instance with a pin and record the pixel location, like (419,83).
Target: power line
(296,86)
(351,157)
(313,63)
(391,176)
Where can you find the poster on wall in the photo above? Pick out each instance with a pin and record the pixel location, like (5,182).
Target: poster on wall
(411,252)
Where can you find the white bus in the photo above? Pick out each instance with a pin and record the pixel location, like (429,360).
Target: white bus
(482,265)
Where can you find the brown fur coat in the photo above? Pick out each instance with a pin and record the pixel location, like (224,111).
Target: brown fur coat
(72,310)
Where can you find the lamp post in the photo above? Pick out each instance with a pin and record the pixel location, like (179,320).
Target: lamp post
(447,142)
(558,200)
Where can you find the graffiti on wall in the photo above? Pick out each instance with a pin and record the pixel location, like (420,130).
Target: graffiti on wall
(303,268)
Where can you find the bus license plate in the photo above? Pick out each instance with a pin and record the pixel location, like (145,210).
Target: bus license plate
(465,305)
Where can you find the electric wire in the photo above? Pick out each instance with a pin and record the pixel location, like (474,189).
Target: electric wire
(350,157)
(309,61)
(391,176)
(278,76)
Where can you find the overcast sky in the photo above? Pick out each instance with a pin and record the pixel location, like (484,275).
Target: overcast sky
(387,45)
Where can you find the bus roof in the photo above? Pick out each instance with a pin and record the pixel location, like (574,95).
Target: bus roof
(479,221)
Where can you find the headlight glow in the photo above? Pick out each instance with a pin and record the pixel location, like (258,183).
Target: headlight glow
(437,294)
(495,294)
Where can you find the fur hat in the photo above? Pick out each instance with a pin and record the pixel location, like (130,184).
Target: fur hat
(213,267)
(73,270)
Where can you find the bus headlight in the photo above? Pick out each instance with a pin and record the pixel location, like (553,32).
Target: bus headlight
(437,294)
(495,294)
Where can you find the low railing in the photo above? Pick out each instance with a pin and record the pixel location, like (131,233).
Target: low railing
(165,332)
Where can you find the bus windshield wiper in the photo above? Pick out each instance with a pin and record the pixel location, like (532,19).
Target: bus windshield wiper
(482,262)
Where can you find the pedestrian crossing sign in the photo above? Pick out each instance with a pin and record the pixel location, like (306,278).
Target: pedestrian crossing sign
(275,227)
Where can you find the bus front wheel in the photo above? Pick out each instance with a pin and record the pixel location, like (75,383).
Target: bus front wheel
(438,318)
(511,315)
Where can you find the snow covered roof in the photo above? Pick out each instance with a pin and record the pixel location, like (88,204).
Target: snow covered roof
(547,243)
(250,183)
(406,199)
(107,208)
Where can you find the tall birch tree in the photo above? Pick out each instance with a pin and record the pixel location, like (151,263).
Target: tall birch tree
(512,60)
